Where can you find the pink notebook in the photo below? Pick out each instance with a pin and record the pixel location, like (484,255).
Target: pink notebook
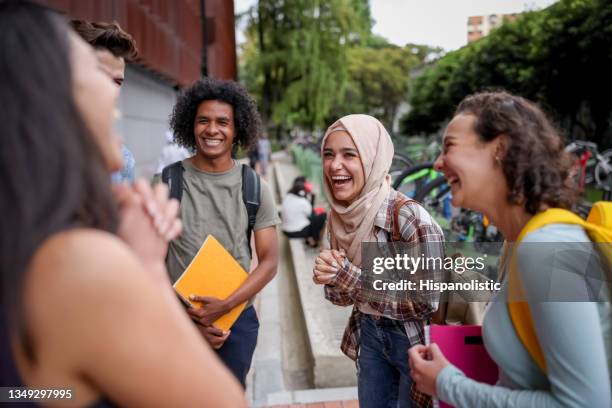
(464,348)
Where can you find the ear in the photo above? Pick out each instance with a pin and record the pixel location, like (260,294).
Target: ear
(501,146)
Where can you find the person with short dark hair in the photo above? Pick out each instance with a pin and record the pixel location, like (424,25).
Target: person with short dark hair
(298,215)
(113,47)
(504,158)
(213,118)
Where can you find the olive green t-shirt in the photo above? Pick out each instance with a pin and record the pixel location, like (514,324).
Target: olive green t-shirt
(212,204)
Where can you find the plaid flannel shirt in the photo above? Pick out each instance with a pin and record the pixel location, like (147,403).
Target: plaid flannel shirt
(416,226)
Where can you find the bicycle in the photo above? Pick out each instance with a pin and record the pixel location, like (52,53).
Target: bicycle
(399,163)
(592,167)
(467,225)
(413,178)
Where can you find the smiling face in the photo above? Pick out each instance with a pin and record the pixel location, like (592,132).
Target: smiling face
(95,95)
(469,164)
(214,129)
(342,167)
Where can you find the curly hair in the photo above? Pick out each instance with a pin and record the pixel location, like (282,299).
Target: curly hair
(535,165)
(107,36)
(247,121)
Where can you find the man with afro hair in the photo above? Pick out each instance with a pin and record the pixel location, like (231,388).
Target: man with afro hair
(213,118)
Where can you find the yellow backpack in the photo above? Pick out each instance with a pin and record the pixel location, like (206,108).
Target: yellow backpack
(598,227)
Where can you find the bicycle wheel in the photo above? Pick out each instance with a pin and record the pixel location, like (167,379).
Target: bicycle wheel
(435,198)
(433,192)
(412,178)
(603,171)
(400,163)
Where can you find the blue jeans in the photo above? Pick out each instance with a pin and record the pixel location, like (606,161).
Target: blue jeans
(237,351)
(382,366)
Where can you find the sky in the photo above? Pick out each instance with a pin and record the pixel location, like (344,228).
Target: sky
(441,23)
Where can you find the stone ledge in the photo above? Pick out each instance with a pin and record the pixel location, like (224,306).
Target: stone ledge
(325,322)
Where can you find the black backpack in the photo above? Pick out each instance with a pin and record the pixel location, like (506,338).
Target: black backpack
(172,175)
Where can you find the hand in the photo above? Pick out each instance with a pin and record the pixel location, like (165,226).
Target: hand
(211,309)
(162,209)
(426,362)
(147,219)
(213,335)
(327,265)
(136,228)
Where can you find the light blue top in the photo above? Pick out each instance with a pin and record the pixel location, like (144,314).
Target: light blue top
(126,173)
(575,336)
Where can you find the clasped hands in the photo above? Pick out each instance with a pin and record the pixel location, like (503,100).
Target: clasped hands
(148,219)
(327,265)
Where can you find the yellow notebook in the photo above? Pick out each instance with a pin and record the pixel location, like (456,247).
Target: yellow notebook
(212,272)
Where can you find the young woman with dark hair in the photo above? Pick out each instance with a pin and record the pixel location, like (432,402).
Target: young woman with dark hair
(502,157)
(80,310)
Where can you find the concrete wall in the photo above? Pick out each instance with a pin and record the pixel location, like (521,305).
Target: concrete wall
(145,103)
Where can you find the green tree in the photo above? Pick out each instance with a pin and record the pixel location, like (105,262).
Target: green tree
(379,78)
(560,57)
(296,53)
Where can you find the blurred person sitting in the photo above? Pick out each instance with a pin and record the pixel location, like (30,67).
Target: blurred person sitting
(298,216)
(113,48)
(72,291)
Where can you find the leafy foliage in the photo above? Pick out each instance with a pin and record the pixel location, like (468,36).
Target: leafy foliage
(310,62)
(560,57)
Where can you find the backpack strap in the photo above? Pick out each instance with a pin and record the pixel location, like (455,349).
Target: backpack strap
(520,314)
(251,193)
(172,175)
(400,201)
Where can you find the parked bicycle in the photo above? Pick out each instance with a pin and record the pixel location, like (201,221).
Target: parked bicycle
(592,167)
(399,163)
(430,188)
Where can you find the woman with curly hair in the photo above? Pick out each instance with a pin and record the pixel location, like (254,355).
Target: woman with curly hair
(212,118)
(502,157)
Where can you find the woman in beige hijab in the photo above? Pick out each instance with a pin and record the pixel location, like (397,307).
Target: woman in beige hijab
(357,152)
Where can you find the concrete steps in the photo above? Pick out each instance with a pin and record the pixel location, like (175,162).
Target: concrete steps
(298,361)
(325,322)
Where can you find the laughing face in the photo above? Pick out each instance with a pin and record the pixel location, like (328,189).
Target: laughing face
(214,129)
(96,98)
(342,167)
(469,166)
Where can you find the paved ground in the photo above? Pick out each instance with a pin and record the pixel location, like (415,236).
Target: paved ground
(293,316)
(333,404)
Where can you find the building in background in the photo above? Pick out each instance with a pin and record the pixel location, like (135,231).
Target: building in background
(176,47)
(481,26)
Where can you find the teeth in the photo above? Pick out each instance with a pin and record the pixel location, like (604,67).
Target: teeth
(340,178)
(212,142)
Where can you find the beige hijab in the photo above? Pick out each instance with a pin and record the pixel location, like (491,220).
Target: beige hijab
(352,225)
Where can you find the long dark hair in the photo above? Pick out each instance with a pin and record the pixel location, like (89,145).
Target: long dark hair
(536,166)
(52,175)
(298,188)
